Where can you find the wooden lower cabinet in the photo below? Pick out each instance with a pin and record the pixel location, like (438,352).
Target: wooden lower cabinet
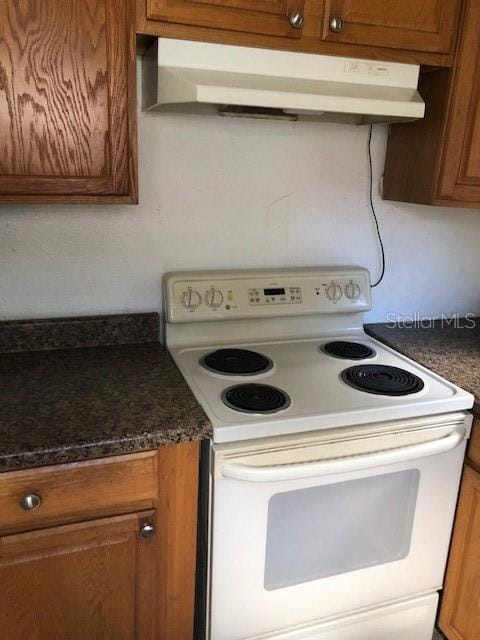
(460,609)
(81,573)
(473,451)
(94,580)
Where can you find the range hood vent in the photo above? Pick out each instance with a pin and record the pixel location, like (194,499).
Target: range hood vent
(198,77)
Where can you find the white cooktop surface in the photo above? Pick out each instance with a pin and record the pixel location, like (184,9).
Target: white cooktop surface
(320,399)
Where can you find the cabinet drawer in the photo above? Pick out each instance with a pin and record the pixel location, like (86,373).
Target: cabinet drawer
(79,491)
(473,451)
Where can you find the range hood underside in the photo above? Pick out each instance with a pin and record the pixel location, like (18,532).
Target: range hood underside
(194,89)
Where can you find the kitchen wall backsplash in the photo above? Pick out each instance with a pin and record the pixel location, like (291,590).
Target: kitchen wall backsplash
(218,192)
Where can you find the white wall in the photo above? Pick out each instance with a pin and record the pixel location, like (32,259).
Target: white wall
(226,193)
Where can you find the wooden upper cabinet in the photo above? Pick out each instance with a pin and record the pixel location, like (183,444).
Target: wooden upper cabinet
(412,31)
(67,101)
(426,25)
(94,580)
(269,17)
(459,178)
(437,160)
(460,608)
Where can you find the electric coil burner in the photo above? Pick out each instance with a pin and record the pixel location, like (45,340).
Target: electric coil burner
(255,398)
(382,380)
(348,350)
(236,362)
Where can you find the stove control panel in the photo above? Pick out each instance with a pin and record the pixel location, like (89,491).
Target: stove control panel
(275,295)
(218,295)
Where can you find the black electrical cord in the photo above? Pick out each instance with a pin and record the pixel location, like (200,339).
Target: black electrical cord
(372,208)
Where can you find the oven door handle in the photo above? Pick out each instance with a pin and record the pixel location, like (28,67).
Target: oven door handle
(310,469)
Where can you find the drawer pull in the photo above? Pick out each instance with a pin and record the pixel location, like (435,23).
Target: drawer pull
(147,530)
(30,502)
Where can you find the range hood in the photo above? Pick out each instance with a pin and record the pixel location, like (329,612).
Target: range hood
(181,75)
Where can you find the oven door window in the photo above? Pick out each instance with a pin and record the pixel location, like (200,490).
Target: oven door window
(331,529)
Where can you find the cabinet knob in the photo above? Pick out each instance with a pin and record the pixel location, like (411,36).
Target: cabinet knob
(336,24)
(147,530)
(297,19)
(30,502)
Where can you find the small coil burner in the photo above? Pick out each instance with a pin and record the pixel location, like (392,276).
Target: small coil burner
(236,362)
(348,350)
(255,398)
(382,379)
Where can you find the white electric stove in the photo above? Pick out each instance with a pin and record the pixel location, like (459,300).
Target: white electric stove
(336,460)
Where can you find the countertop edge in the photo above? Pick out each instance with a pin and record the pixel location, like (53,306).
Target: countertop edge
(97,450)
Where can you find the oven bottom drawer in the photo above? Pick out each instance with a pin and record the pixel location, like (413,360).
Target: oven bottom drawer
(411,619)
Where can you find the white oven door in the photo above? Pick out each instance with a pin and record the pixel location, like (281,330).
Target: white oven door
(298,542)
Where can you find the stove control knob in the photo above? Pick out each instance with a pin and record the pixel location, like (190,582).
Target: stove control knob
(191,299)
(334,292)
(352,290)
(213,298)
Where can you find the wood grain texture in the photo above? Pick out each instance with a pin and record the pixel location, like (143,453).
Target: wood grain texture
(414,149)
(473,451)
(79,581)
(459,179)
(460,608)
(426,25)
(67,100)
(98,579)
(437,160)
(177,527)
(79,491)
(311,39)
(269,17)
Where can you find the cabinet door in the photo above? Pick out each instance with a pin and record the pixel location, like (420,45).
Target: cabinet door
(460,171)
(429,25)
(436,160)
(67,92)
(460,610)
(92,580)
(271,17)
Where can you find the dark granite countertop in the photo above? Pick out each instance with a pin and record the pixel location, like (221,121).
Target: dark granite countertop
(73,404)
(66,396)
(450,350)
